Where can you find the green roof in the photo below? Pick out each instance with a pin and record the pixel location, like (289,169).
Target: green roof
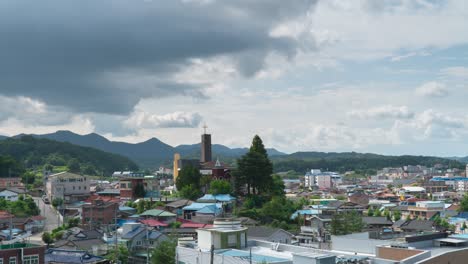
(157,212)
(18,245)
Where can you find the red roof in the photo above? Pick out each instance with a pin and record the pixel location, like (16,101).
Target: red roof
(192,225)
(189,224)
(102,198)
(153,223)
(414,199)
(5,214)
(38,218)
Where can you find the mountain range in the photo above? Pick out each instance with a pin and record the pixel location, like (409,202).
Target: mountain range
(153,153)
(148,154)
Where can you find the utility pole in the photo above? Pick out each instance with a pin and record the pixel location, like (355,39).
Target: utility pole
(250,256)
(147,246)
(212,254)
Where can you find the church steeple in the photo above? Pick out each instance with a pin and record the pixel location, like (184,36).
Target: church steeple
(205,146)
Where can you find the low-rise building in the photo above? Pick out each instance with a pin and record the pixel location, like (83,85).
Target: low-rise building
(9,195)
(425,209)
(70,187)
(99,212)
(11,182)
(22,253)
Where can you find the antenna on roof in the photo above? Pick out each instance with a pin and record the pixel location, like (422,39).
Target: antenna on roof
(204,128)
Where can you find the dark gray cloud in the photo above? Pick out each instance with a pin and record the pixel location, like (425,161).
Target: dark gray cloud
(103,56)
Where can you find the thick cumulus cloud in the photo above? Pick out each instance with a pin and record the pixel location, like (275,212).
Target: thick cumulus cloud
(104,56)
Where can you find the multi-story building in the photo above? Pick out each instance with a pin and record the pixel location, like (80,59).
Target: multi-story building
(99,212)
(322,180)
(69,186)
(128,186)
(425,209)
(22,253)
(10,182)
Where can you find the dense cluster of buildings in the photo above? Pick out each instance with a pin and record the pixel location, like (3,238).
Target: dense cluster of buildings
(405,215)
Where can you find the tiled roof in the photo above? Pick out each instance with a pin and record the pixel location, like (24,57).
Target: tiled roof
(262,231)
(153,223)
(70,256)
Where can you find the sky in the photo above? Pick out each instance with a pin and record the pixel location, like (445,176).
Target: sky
(381,76)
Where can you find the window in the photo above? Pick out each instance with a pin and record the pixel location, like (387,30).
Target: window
(32,259)
(12,260)
(138,243)
(73,187)
(123,185)
(1,260)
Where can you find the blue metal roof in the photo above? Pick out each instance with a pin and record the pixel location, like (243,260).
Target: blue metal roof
(217,197)
(210,209)
(198,206)
(304,212)
(449,179)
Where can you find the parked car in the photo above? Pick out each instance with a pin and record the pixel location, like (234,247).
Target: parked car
(45,199)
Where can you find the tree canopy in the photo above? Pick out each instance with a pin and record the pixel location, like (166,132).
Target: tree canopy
(188,175)
(30,152)
(255,169)
(164,253)
(23,207)
(220,187)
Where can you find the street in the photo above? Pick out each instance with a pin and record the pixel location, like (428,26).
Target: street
(51,220)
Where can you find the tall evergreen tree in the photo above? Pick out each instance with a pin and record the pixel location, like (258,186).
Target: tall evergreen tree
(257,146)
(255,169)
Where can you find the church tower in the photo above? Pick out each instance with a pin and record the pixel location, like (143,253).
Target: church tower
(205,146)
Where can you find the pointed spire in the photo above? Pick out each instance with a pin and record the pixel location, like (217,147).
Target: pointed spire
(217,164)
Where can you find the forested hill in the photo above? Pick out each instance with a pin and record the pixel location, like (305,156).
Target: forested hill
(35,152)
(352,161)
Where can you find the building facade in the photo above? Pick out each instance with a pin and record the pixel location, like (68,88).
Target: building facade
(99,212)
(22,253)
(68,186)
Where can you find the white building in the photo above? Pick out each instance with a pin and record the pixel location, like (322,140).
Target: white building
(68,186)
(322,180)
(9,195)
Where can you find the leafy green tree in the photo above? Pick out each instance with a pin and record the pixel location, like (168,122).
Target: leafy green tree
(346,223)
(370,212)
(56,202)
(464,204)
(188,175)
(119,254)
(74,166)
(278,208)
(23,207)
(28,178)
(164,253)
(220,187)
(139,191)
(47,238)
(140,206)
(377,212)
(277,187)
(396,215)
(190,192)
(9,166)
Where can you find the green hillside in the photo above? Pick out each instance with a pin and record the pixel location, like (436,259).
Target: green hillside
(33,152)
(352,161)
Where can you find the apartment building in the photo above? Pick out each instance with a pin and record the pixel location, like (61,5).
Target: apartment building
(69,186)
